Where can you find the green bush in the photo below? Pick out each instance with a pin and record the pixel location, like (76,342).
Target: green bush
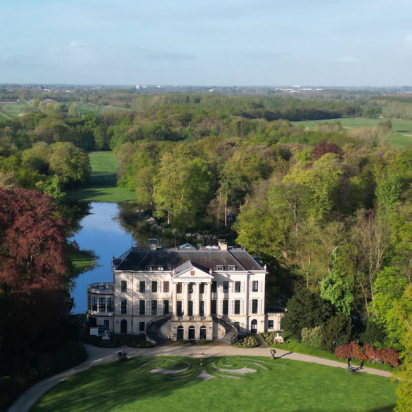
(182,341)
(139,341)
(247,342)
(203,341)
(312,337)
(337,331)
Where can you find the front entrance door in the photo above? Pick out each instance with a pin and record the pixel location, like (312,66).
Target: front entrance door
(254,326)
(180,333)
(192,333)
(123,326)
(203,332)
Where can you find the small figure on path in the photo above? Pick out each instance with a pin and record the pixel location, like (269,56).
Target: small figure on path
(273,354)
(349,364)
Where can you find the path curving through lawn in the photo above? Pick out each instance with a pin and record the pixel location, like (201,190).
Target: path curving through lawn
(98,356)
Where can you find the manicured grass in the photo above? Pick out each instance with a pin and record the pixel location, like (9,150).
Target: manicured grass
(285,387)
(299,347)
(102,184)
(400,139)
(13,109)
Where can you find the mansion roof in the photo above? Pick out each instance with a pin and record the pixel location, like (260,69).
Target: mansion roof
(138,259)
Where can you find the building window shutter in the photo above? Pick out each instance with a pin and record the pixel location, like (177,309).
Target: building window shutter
(260,306)
(250,285)
(231,305)
(160,306)
(220,307)
(241,307)
(148,287)
(205,306)
(148,307)
(159,286)
(250,306)
(230,287)
(242,287)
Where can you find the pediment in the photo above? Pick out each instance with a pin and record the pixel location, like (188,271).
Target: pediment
(189,272)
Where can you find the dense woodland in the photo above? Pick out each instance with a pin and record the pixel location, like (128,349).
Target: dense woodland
(329,210)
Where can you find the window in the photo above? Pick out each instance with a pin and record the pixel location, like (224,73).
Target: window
(231,267)
(142,286)
(225,306)
(142,307)
(94,304)
(190,308)
(190,288)
(89,302)
(179,287)
(214,287)
(237,287)
(110,305)
(142,326)
(179,308)
(102,305)
(270,324)
(154,307)
(255,286)
(219,267)
(106,324)
(254,306)
(154,286)
(213,307)
(165,307)
(123,306)
(160,268)
(237,307)
(148,268)
(202,308)
(202,288)
(166,286)
(225,287)
(123,286)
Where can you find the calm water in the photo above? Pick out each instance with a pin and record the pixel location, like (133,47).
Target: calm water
(103,235)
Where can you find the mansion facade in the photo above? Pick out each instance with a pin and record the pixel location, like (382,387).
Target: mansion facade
(183,293)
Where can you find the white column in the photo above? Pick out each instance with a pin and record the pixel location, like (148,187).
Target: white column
(186,303)
(197,300)
(174,286)
(209,300)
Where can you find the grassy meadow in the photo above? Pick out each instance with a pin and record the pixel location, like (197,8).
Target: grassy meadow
(285,386)
(402,128)
(102,184)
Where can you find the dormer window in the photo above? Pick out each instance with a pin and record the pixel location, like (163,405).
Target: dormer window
(219,267)
(148,268)
(232,267)
(160,268)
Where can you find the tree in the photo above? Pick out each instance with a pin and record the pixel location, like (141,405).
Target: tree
(69,163)
(305,310)
(99,137)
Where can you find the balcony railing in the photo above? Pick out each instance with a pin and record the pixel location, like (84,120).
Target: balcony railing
(105,288)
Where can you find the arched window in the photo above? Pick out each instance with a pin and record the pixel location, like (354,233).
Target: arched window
(254,326)
(180,333)
(203,332)
(192,333)
(123,326)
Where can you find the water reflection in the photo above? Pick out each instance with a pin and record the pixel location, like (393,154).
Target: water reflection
(102,234)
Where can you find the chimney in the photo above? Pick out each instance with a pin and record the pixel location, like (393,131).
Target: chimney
(222,244)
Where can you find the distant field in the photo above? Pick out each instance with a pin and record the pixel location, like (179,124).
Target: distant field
(400,139)
(12,109)
(102,185)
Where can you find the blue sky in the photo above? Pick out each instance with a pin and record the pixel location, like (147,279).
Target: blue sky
(196,42)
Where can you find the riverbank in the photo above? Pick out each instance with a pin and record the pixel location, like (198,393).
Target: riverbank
(102,185)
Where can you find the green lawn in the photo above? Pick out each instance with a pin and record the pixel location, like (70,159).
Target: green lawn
(400,139)
(102,184)
(13,109)
(285,387)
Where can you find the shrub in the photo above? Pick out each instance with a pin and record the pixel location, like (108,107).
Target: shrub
(312,337)
(203,341)
(139,341)
(247,342)
(182,341)
(374,334)
(388,356)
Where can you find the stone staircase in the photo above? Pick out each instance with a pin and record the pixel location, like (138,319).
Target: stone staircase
(153,329)
(231,332)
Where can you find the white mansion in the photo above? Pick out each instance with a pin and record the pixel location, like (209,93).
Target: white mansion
(185,293)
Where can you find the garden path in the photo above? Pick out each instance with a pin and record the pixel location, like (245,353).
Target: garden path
(98,356)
